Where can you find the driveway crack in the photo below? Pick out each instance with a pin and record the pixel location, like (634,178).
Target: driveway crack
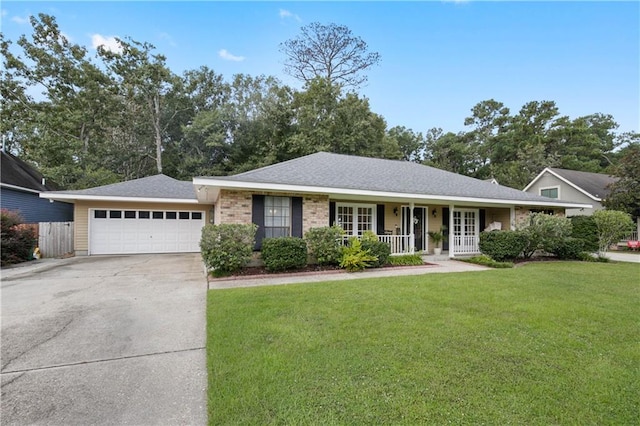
(53,336)
(95,361)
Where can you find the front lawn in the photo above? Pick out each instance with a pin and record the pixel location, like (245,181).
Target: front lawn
(547,343)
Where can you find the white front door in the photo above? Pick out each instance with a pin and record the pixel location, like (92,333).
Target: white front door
(465,231)
(120,231)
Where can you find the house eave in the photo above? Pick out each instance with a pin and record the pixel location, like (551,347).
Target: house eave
(76,197)
(364,195)
(568,182)
(18,188)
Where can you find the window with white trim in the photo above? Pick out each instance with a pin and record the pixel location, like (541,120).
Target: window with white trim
(355,219)
(277,217)
(549,192)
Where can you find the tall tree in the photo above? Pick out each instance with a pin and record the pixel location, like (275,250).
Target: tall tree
(331,52)
(410,144)
(625,193)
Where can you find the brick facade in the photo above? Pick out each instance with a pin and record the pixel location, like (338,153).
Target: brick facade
(235,207)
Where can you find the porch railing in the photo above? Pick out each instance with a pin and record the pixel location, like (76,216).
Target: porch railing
(399,244)
(465,244)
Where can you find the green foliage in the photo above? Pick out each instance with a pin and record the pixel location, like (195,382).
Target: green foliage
(485,260)
(355,257)
(227,248)
(567,248)
(325,244)
(281,254)
(17,242)
(437,237)
(612,226)
(381,251)
(543,231)
(625,193)
(406,260)
(503,245)
(585,229)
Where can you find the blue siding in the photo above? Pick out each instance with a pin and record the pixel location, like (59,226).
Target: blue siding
(35,209)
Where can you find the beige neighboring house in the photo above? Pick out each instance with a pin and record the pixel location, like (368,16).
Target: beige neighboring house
(574,186)
(399,201)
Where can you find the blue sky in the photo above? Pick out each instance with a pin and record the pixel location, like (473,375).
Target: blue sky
(439,58)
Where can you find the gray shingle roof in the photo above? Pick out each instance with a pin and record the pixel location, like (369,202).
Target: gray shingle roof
(14,171)
(157,186)
(362,173)
(595,184)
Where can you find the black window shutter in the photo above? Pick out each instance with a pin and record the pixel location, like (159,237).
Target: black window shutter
(296,217)
(483,219)
(380,219)
(332,212)
(257,217)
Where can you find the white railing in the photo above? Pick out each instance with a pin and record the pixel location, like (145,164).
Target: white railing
(465,244)
(398,243)
(631,237)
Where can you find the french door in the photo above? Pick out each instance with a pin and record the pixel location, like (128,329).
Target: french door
(465,231)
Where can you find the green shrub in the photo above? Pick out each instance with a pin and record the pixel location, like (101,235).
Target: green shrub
(543,231)
(355,258)
(612,226)
(568,248)
(485,260)
(227,248)
(503,245)
(325,244)
(406,260)
(585,229)
(17,242)
(281,254)
(380,250)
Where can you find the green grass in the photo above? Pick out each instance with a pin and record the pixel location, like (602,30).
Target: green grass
(547,343)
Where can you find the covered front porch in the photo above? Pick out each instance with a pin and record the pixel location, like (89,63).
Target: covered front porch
(405,227)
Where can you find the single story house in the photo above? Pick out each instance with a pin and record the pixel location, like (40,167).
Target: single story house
(20,188)
(400,201)
(574,186)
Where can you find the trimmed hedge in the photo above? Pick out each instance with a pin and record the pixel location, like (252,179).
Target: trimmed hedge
(585,229)
(380,250)
(227,248)
(503,245)
(325,244)
(284,253)
(568,248)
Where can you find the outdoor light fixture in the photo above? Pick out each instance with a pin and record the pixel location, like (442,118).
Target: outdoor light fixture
(395,211)
(434,213)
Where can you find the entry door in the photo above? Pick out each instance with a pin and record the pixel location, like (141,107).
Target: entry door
(465,230)
(419,225)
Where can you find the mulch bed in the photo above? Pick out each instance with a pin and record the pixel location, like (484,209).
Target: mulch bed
(261,271)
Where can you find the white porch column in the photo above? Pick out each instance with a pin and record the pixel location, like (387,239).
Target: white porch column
(512,217)
(412,237)
(451,239)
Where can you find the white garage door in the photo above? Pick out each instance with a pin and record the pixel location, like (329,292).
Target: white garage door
(144,231)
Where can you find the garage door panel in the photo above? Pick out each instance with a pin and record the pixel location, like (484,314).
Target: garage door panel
(130,232)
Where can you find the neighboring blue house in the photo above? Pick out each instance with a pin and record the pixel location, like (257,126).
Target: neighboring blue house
(20,188)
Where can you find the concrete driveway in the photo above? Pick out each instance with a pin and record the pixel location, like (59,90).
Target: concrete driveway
(105,340)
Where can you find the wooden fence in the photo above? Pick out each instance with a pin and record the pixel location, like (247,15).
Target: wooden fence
(55,239)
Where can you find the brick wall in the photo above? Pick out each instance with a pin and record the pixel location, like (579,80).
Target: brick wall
(235,207)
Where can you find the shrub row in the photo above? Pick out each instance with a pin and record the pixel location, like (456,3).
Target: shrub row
(228,248)
(17,242)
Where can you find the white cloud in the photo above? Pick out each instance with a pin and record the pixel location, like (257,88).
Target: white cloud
(168,38)
(108,43)
(284,14)
(20,20)
(226,55)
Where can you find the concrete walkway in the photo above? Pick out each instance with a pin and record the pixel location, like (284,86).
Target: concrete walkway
(311,277)
(624,256)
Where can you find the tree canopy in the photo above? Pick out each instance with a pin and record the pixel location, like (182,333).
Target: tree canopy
(123,114)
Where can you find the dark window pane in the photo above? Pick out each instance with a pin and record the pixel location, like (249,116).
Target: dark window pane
(196,215)
(143,215)
(100,214)
(184,215)
(115,214)
(129,214)
(158,215)
(171,215)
